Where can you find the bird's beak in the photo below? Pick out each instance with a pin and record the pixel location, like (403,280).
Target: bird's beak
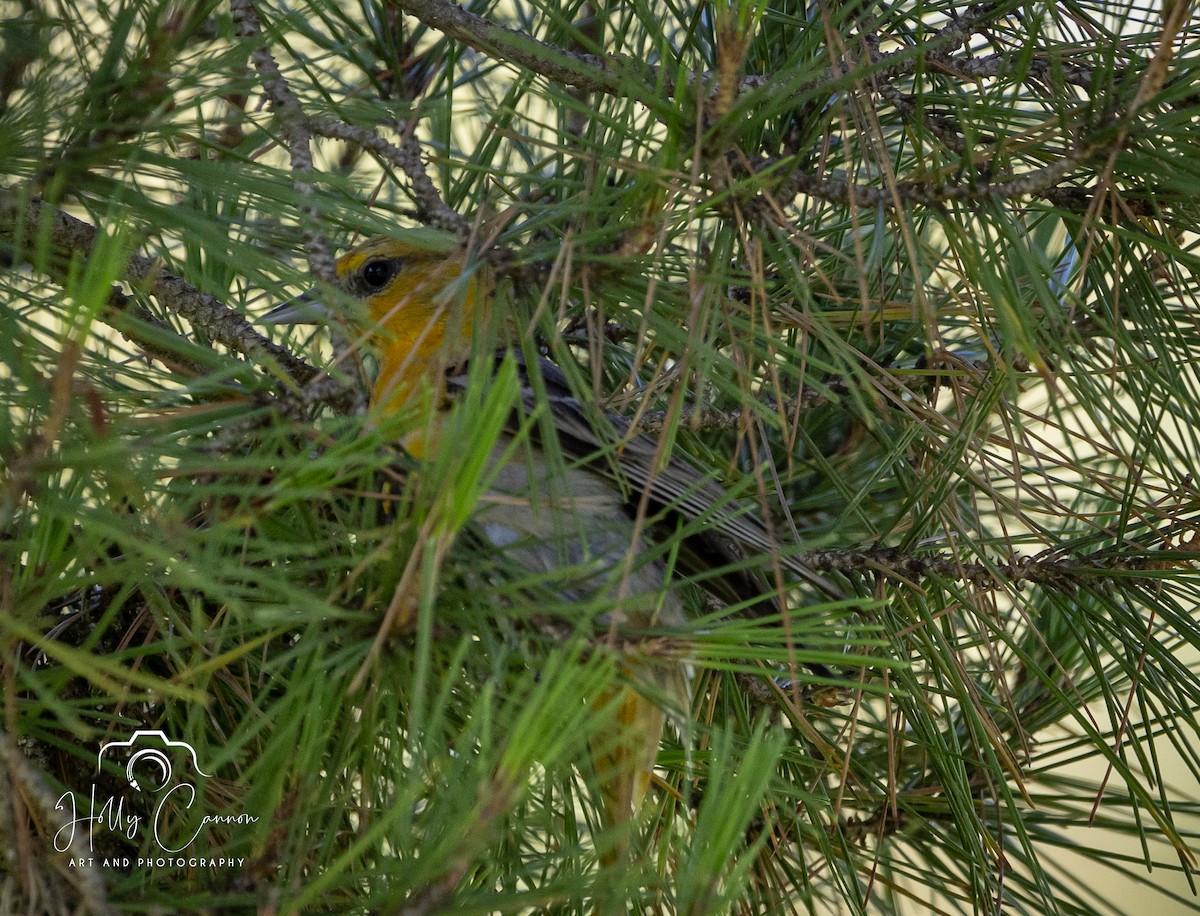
(304,309)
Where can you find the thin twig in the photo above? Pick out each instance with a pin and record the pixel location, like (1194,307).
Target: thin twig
(623,76)
(1046,570)
(24,785)
(296,134)
(834,187)
(610,74)
(709,418)
(407,158)
(70,237)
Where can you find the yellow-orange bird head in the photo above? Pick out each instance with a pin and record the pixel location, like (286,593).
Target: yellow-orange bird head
(422,307)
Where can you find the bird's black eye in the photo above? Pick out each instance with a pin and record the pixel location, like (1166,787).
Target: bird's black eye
(378,273)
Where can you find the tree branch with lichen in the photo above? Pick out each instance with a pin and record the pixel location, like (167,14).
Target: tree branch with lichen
(72,238)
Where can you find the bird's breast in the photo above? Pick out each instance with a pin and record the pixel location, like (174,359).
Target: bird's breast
(573,528)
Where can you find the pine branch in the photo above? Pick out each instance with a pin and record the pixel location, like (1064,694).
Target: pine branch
(70,238)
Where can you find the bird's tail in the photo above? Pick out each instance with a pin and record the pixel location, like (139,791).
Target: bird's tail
(623,759)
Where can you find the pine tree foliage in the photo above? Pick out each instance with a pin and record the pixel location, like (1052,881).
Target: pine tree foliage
(916,279)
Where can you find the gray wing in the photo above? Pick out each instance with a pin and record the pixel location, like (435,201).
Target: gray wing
(731,529)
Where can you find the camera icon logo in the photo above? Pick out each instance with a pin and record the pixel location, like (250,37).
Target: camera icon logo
(149,752)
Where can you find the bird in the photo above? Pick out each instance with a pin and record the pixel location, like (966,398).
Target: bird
(575,503)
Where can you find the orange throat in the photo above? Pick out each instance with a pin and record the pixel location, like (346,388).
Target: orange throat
(421,334)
